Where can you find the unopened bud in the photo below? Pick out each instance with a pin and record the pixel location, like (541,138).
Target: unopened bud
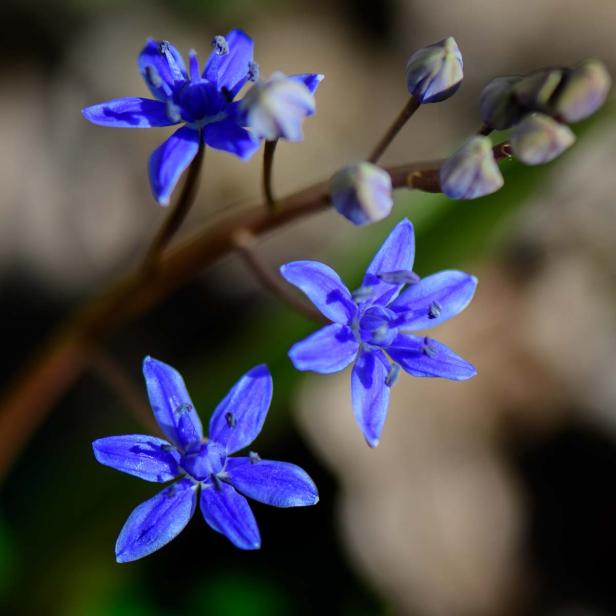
(498,105)
(584,90)
(472,171)
(435,72)
(276,108)
(535,90)
(362,193)
(538,139)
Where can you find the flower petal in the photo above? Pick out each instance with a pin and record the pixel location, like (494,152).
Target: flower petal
(434,299)
(229,513)
(274,483)
(230,70)
(171,404)
(323,287)
(170,159)
(161,65)
(310,80)
(238,419)
(146,457)
(396,254)
(156,522)
(328,350)
(128,112)
(370,394)
(227,135)
(427,357)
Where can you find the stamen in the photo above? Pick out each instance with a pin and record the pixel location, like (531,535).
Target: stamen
(434,310)
(392,375)
(399,277)
(152,76)
(363,293)
(380,334)
(230,419)
(165,50)
(184,408)
(220,45)
(173,111)
(427,349)
(194,64)
(254,457)
(254,72)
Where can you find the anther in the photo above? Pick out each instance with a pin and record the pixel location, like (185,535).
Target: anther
(434,310)
(392,375)
(254,71)
(220,45)
(230,419)
(428,349)
(254,457)
(183,408)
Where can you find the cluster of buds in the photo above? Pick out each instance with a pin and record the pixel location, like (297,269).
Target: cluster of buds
(536,107)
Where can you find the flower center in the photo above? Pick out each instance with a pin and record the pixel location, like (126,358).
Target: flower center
(375,326)
(203,460)
(200,102)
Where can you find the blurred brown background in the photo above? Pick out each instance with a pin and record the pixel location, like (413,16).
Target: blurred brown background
(494,496)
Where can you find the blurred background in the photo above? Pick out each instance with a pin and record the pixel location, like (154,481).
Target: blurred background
(494,496)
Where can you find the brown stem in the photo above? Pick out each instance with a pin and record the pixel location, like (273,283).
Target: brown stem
(244,242)
(428,180)
(62,360)
(112,374)
(268,163)
(178,213)
(407,111)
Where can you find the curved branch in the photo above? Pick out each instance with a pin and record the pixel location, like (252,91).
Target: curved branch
(63,359)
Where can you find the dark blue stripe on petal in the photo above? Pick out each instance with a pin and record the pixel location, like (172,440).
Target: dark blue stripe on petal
(146,457)
(129,112)
(238,419)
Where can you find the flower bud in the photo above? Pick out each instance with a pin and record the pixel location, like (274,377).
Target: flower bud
(472,171)
(276,108)
(498,105)
(535,90)
(538,139)
(362,192)
(584,90)
(434,73)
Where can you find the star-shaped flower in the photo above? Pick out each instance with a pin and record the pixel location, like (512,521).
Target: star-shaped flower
(202,101)
(376,325)
(201,464)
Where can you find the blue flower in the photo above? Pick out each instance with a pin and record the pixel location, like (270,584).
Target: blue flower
(203,102)
(276,108)
(201,466)
(375,325)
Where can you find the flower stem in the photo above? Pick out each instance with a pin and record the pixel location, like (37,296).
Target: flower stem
(407,111)
(268,163)
(178,213)
(485,130)
(244,242)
